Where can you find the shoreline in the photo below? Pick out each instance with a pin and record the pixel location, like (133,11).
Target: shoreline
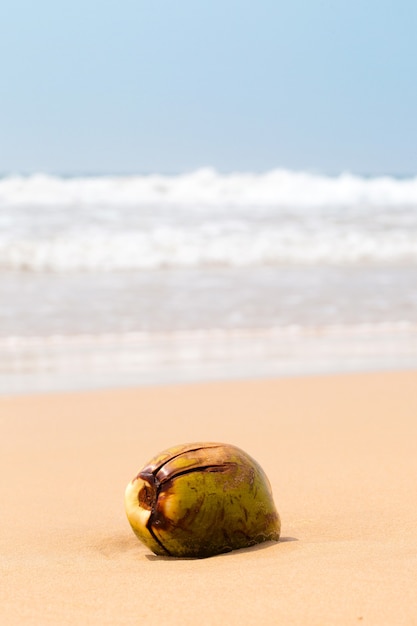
(339,453)
(217,379)
(82,362)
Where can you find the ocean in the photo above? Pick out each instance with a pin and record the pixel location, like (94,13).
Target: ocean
(109,281)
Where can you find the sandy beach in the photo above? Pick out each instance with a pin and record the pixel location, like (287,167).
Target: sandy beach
(339,451)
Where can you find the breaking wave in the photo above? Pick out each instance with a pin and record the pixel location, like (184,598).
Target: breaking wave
(205,218)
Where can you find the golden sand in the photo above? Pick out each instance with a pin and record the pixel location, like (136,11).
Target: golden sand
(340,452)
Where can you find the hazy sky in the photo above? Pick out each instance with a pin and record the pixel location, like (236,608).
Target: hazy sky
(96,86)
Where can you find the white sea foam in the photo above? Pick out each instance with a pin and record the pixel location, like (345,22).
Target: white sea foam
(173,247)
(205,186)
(203,219)
(36,363)
(137,338)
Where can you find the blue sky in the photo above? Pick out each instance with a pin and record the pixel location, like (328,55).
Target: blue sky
(130,86)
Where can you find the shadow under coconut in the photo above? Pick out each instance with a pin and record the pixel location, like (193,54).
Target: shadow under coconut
(257,547)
